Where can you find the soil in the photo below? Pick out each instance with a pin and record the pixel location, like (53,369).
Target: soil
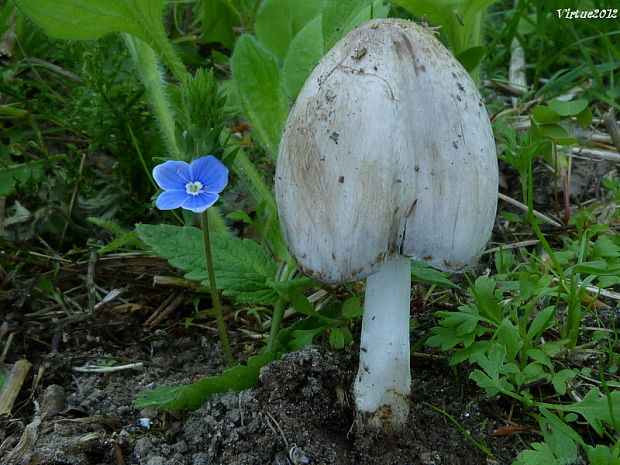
(300,413)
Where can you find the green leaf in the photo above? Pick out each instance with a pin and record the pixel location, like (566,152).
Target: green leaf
(559,380)
(508,335)
(458,17)
(351,308)
(471,58)
(545,115)
(218,20)
(337,15)
(595,409)
(568,108)
(88,19)
(260,90)
(557,134)
(336,339)
(603,455)
(243,268)
(421,272)
(279,21)
(304,53)
(304,306)
(585,117)
(237,378)
(540,323)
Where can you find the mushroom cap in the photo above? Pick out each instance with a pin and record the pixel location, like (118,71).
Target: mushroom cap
(387,150)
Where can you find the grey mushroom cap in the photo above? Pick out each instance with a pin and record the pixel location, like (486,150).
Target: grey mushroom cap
(388,150)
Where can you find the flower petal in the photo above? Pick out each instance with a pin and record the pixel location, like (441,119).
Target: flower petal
(199,203)
(210,172)
(171,199)
(172,174)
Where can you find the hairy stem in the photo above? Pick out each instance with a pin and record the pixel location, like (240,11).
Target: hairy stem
(151,77)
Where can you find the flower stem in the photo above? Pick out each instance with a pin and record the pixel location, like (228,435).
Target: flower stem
(215,297)
(278,310)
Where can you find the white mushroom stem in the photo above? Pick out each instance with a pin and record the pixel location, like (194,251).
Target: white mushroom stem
(383,381)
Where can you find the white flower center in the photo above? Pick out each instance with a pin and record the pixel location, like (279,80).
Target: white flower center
(193,187)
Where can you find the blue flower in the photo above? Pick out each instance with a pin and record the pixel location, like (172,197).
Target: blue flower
(193,186)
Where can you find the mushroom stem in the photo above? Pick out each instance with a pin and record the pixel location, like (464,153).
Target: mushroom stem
(383,381)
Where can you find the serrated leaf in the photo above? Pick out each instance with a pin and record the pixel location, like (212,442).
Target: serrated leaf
(237,378)
(243,269)
(421,272)
(508,335)
(304,53)
(85,19)
(595,409)
(260,91)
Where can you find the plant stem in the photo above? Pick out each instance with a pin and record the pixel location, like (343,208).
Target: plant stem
(278,310)
(215,297)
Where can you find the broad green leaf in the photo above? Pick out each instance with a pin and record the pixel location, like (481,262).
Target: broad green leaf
(337,15)
(279,21)
(568,108)
(559,380)
(379,10)
(88,19)
(304,53)
(545,115)
(471,58)
(351,308)
(585,117)
(458,18)
(243,268)
(218,20)
(237,378)
(336,339)
(508,335)
(557,134)
(260,91)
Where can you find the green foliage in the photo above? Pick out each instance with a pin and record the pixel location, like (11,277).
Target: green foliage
(243,269)
(335,319)
(237,378)
(291,38)
(279,21)
(83,19)
(14,174)
(462,22)
(260,90)
(200,109)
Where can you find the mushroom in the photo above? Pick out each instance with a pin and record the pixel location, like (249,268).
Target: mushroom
(387,156)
